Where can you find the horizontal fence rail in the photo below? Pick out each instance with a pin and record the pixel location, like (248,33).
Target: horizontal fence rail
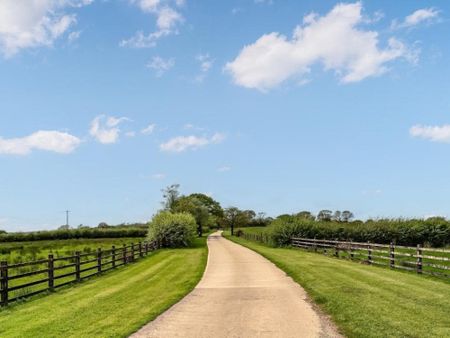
(21,280)
(431,261)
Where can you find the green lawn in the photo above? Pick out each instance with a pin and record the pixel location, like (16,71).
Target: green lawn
(113,305)
(367,301)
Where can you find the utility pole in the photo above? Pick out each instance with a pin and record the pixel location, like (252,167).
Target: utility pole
(67,218)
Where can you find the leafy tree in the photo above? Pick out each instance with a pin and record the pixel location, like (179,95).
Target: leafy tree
(214,207)
(170,195)
(346,216)
(324,215)
(194,206)
(337,216)
(305,215)
(235,218)
(231,218)
(102,225)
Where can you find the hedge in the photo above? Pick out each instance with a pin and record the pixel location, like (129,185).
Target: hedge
(432,232)
(73,234)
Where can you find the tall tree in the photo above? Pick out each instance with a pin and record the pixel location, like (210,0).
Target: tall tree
(337,216)
(194,206)
(305,215)
(346,216)
(324,215)
(170,195)
(231,218)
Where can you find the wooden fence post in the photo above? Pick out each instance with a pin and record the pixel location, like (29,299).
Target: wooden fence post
(51,272)
(113,256)
(124,254)
(132,252)
(146,248)
(336,248)
(315,244)
(369,252)
(352,255)
(419,259)
(99,260)
(77,266)
(140,250)
(391,255)
(4,283)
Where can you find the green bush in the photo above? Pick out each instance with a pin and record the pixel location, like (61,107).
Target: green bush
(431,232)
(172,230)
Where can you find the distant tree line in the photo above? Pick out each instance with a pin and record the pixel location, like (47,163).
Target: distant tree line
(208,213)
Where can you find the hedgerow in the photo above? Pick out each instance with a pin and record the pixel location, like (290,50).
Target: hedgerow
(432,232)
(73,234)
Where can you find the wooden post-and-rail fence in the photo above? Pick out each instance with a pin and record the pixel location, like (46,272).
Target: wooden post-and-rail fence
(432,261)
(27,279)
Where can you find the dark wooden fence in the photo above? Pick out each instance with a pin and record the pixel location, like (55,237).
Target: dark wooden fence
(18,281)
(432,261)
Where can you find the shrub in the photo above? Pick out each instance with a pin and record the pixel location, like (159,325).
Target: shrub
(172,230)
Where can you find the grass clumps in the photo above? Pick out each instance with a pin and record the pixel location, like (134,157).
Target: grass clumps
(172,230)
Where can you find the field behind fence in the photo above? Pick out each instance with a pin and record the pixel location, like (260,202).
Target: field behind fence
(21,280)
(431,261)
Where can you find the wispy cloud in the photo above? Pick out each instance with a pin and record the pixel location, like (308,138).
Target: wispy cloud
(182,143)
(419,16)
(167,16)
(205,63)
(160,65)
(224,168)
(149,129)
(159,176)
(335,40)
(47,140)
(105,128)
(432,133)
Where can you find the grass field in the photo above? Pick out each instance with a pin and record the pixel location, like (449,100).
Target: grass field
(113,305)
(367,301)
(18,252)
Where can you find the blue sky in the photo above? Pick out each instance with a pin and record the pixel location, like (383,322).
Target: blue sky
(276,106)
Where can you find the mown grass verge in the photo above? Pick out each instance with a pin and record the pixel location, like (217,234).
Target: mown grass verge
(366,301)
(114,305)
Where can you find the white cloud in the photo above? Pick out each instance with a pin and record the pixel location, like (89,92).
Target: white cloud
(224,168)
(48,140)
(432,133)
(105,129)
(130,134)
(334,40)
(160,65)
(190,126)
(73,36)
(181,143)
(206,63)
(419,16)
(149,129)
(30,24)
(159,176)
(267,2)
(167,19)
